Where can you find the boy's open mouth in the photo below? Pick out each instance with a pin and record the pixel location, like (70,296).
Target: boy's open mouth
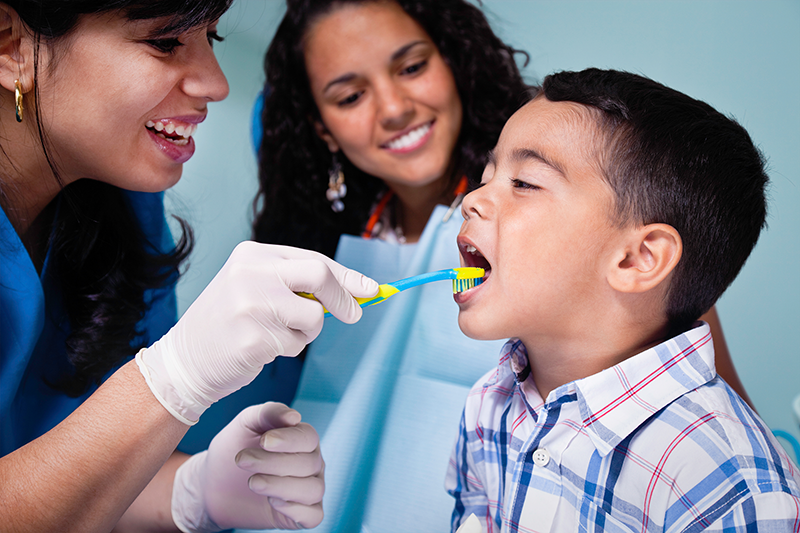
(474,258)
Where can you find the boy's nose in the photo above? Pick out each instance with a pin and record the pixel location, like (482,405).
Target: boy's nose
(475,204)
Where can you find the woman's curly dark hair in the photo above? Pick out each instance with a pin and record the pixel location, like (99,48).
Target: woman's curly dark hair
(104,264)
(291,207)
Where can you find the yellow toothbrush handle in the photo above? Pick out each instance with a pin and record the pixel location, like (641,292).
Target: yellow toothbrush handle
(384,291)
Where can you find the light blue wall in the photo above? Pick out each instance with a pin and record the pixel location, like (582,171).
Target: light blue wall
(743,57)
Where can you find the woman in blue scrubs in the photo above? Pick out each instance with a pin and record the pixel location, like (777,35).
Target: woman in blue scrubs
(377,116)
(98,105)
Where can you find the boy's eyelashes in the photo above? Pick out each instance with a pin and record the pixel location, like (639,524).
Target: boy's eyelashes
(520,184)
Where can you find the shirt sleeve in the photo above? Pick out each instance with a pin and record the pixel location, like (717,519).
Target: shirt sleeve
(766,511)
(463,482)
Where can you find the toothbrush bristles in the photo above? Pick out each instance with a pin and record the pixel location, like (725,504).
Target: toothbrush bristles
(461,285)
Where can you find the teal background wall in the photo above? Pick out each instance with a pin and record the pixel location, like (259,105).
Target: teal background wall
(741,56)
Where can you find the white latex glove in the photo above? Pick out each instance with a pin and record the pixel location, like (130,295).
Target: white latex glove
(247,316)
(253,475)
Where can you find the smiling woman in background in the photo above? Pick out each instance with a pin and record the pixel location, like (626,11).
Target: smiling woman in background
(98,105)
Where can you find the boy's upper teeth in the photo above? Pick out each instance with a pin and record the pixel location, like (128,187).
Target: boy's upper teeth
(471,249)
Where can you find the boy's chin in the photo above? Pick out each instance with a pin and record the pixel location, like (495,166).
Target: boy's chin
(476,329)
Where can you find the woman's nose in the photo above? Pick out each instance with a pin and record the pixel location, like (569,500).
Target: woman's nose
(204,78)
(395,107)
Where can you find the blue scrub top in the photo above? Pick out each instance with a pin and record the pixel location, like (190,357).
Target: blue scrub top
(34,326)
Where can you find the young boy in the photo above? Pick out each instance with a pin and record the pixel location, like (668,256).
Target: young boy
(614,211)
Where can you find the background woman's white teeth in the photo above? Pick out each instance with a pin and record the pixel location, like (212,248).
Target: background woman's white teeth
(179,130)
(170,128)
(159,126)
(150,124)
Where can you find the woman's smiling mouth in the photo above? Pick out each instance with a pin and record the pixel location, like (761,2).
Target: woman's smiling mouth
(173,136)
(175,133)
(411,140)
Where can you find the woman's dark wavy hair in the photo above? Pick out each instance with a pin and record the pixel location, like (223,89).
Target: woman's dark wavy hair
(291,207)
(104,264)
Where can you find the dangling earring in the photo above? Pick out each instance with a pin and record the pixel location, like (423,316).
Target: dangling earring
(18,100)
(336,186)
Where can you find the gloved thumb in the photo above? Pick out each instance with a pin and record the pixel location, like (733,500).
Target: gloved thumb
(271,415)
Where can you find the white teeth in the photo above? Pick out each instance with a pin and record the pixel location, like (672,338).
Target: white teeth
(179,142)
(170,128)
(470,249)
(409,138)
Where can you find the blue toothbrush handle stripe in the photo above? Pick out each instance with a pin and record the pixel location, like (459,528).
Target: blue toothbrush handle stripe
(459,276)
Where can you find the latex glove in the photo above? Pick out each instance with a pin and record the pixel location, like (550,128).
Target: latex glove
(247,316)
(253,475)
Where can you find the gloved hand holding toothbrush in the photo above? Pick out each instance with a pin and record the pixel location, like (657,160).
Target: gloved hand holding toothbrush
(263,470)
(247,316)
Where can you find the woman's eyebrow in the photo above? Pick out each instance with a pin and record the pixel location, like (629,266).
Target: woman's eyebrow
(350,76)
(403,50)
(344,78)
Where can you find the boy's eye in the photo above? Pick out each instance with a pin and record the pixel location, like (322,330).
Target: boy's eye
(214,36)
(519,184)
(166,45)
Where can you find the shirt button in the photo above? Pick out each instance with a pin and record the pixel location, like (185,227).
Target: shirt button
(541,457)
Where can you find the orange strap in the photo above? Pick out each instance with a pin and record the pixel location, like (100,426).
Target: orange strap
(375,216)
(461,188)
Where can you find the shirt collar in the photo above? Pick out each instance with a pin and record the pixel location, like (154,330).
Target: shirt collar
(616,401)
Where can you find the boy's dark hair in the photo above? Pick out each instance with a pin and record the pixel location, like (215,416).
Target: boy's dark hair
(675,160)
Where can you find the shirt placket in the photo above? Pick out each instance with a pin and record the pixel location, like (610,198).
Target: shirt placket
(536,489)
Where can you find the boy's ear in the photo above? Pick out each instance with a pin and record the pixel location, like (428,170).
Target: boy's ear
(649,256)
(326,136)
(16,51)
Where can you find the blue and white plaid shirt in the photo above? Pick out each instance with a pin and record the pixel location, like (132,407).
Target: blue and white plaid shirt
(656,443)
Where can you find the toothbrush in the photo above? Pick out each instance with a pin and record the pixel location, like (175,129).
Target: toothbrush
(463,278)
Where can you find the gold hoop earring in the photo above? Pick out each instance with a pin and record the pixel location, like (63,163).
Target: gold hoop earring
(18,100)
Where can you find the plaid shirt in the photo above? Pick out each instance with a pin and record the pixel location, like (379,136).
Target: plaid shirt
(656,443)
